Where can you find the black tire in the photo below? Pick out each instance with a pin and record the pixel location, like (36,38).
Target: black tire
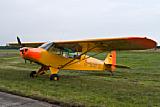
(54,77)
(33,74)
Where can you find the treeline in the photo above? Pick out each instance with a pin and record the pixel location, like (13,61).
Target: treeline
(8,47)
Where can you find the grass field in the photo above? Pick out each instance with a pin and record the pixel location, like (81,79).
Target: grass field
(136,87)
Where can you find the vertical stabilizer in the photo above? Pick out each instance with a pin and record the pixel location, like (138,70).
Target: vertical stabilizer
(111,60)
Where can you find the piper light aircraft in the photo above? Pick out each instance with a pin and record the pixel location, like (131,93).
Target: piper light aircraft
(72,55)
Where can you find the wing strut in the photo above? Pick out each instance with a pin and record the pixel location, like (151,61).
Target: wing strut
(85,58)
(76,58)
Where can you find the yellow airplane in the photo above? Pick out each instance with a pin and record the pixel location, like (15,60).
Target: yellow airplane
(72,55)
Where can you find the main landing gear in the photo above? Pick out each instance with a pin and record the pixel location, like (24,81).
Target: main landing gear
(54,76)
(41,71)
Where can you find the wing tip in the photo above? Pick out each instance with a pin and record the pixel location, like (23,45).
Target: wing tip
(147,43)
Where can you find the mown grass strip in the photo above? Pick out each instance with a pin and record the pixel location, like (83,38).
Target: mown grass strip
(139,86)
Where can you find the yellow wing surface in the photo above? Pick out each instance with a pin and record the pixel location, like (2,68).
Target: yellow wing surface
(105,44)
(27,44)
(130,43)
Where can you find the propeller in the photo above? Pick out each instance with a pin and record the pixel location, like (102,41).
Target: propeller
(19,42)
(21,46)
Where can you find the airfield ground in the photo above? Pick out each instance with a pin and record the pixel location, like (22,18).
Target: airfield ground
(136,87)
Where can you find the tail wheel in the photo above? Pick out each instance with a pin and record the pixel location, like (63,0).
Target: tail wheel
(33,74)
(112,74)
(54,77)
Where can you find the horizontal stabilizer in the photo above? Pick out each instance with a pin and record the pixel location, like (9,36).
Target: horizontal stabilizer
(118,66)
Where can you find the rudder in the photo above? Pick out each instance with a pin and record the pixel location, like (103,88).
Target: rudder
(111,60)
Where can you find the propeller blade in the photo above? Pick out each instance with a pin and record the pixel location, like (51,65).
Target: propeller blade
(19,42)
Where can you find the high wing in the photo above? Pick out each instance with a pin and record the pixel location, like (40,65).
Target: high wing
(108,44)
(27,44)
(96,45)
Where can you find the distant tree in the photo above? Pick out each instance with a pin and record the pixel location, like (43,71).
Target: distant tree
(8,47)
(158,47)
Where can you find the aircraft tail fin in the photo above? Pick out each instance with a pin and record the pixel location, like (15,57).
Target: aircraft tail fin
(110,61)
(111,58)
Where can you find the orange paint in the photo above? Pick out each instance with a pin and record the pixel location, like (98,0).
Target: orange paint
(34,53)
(30,53)
(142,42)
(113,53)
(113,57)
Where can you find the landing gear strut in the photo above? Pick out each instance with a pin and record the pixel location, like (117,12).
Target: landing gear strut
(54,76)
(41,71)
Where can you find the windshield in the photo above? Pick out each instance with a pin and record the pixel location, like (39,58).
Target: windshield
(53,49)
(46,46)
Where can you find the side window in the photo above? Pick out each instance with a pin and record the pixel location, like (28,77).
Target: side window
(54,50)
(63,52)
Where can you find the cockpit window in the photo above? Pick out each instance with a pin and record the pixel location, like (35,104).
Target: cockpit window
(53,49)
(46,46)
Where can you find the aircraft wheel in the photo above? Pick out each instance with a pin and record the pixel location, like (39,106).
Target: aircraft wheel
(54,77)
(112,74)
(33,74)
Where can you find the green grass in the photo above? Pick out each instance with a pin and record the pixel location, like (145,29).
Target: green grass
(139,86)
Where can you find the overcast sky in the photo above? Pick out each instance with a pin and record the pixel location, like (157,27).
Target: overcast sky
(52,20)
